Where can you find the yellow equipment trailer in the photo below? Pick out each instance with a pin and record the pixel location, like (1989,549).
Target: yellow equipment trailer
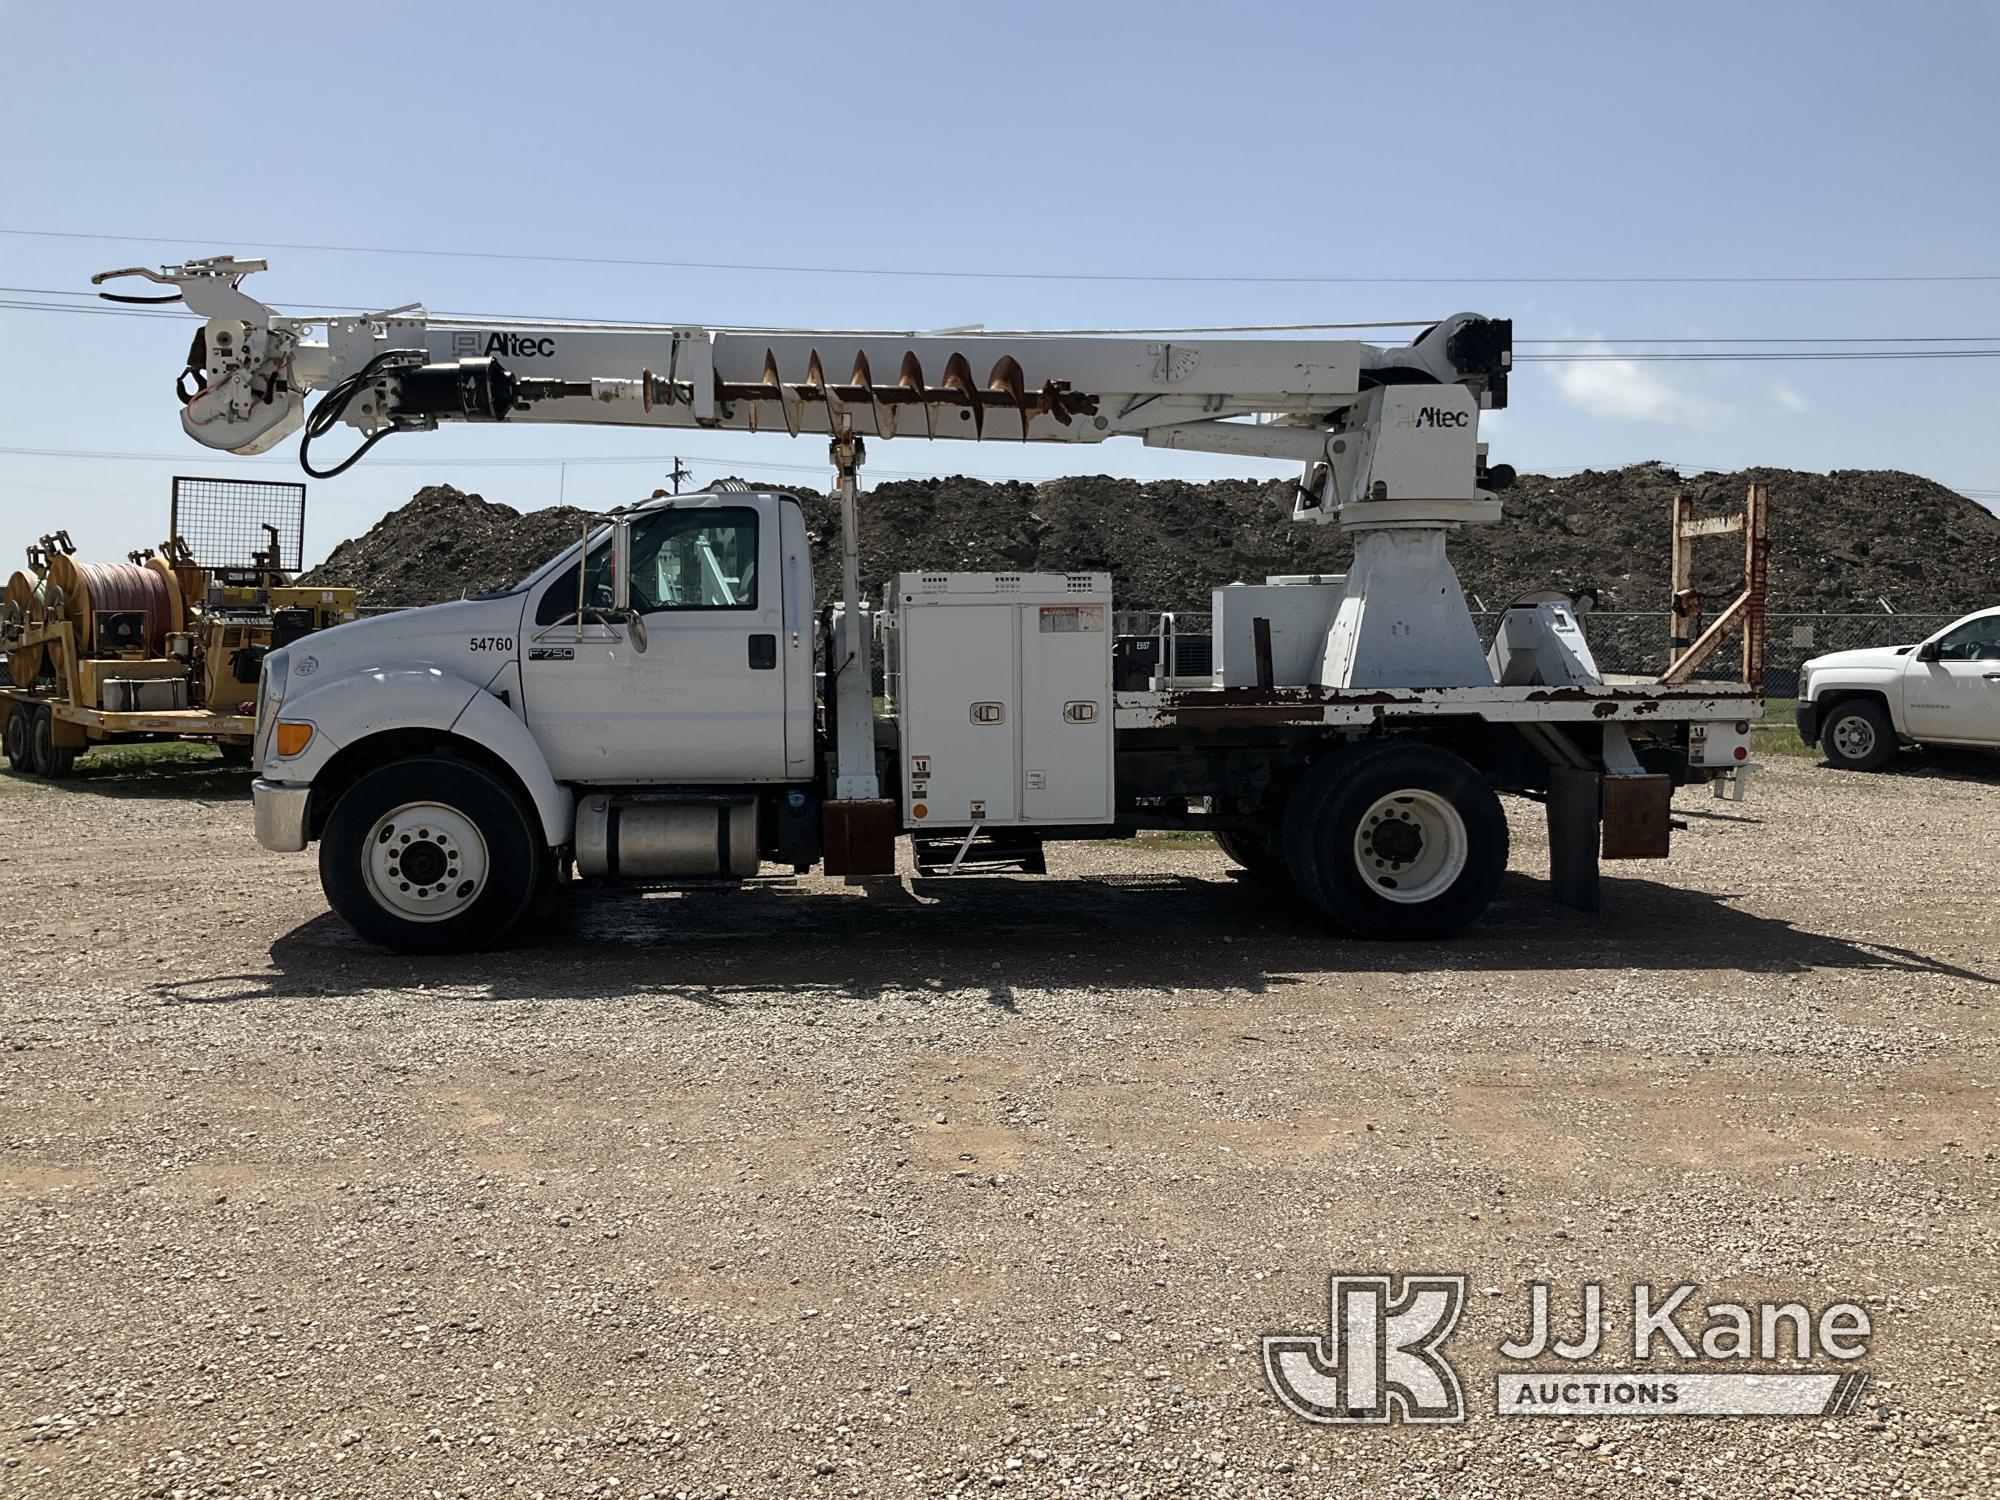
(165,645)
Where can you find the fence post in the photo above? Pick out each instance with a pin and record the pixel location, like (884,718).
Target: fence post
(1756,570)
(1684,612)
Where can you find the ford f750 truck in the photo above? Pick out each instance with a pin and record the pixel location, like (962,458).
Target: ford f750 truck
(666,702)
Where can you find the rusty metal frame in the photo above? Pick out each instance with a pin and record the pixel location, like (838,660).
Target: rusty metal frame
(1745,611)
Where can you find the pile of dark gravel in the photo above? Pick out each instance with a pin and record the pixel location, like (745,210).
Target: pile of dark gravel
(1839,541)
(443,545)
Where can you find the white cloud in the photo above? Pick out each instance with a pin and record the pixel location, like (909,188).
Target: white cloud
(1622,390)
(1789,399)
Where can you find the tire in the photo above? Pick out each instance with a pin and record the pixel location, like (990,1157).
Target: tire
(18,716)
(1857,735)
(44,754)
(1396,841)
(1259,858)
(31,756)
(431,855)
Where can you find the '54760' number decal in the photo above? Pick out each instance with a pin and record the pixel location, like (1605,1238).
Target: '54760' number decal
(492,643)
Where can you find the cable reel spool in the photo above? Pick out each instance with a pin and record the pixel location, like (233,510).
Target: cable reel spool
(79,592)
(21,610)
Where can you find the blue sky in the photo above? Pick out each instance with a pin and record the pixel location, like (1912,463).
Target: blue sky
(1308,140)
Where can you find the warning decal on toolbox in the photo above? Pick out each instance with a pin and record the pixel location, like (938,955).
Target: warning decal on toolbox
(1069,619)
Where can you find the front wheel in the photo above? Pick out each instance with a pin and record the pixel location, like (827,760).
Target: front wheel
(1858,736)
(1396,840)
(430,856)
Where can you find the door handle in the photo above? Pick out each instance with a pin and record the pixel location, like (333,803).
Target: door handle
(763,652)
(1993,676)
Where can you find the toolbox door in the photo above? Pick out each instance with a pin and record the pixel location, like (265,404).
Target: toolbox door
(959,750)
(1065,714)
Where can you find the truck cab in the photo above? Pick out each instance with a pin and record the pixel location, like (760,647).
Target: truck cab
(645,700)
(1862,707)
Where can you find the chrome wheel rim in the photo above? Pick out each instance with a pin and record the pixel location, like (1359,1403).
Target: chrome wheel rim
(425,862)
(1410,846)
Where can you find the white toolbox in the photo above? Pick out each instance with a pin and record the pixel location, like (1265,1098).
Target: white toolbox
(1002,689)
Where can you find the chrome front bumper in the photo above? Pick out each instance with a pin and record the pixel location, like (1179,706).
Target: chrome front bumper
(281,814)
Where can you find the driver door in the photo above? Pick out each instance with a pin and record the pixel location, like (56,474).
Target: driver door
(1957,696)
(705,701)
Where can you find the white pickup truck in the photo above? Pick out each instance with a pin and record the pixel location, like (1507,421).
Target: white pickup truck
(1862,707)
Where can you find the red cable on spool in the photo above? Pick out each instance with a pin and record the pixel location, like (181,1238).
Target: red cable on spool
(120,586)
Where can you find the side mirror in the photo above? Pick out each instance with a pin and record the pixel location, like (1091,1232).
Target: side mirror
(621,584)
(621,566)
(1928,651)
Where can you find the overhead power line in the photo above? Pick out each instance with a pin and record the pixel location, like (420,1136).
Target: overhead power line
(931,273)
(1733,354)
(96,304)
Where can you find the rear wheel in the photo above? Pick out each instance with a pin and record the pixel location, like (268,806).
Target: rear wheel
(1396,841)
(45,755)
(1858,736)
(1257,856)
(430,856)
(18,716)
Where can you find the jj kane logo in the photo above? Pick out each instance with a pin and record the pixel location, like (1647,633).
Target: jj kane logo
(1382,1359)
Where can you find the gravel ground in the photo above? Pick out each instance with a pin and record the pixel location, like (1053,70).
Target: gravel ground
(988,1185)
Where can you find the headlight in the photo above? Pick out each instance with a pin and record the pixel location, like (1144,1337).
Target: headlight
(270,693)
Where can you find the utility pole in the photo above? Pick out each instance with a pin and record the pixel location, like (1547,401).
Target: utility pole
(679,473)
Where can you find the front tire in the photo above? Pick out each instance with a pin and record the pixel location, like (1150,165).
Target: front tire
(1858,736)
(1396,841)
(433,855)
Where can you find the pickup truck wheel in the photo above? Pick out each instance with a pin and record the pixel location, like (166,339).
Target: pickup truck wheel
(1256,857)
(430,856)
(1857,736)
(1396,841)
(45,755)
(17,737)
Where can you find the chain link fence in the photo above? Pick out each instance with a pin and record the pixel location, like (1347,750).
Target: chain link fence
(1624,644)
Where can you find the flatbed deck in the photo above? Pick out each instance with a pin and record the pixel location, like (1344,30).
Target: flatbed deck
(191,723)
(1306,707)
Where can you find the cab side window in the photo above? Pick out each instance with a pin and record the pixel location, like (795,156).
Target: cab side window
(681,559)
(695,559)
(559,598)
(1975,640)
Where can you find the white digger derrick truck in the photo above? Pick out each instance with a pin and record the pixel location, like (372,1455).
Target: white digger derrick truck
(663,702)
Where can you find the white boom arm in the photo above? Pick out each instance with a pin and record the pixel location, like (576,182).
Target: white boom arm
(1283,398)
(1389,436)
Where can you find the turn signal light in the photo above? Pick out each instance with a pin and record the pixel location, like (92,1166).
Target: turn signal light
(292,738)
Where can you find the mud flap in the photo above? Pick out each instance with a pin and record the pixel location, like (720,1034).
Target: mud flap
(1638,816)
